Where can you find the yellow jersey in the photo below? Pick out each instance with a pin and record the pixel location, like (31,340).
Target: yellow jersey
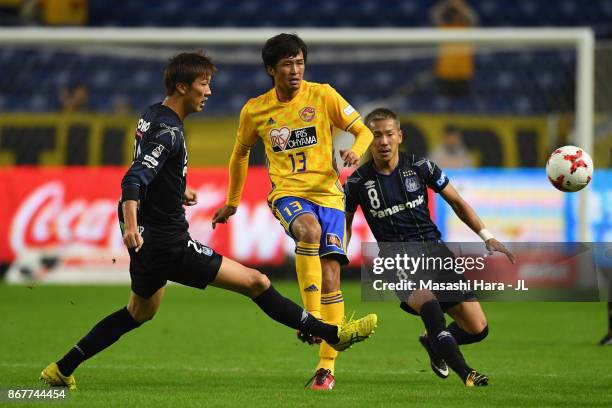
(297,136)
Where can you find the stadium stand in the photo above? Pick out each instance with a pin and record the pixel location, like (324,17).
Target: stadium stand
(334,13)
(519,82)
(33,87)
(107,75)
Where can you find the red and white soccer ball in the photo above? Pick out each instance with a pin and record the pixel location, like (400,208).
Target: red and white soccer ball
(569,169)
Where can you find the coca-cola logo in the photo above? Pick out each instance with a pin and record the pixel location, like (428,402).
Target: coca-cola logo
(64,214)
(46,218)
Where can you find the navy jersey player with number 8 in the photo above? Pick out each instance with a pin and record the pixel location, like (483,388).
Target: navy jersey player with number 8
(392,192)
(155,231)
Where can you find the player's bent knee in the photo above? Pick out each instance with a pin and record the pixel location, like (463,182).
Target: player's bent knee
(140,315)
(484,326)
(311,235)
(145,317)
(418,298)
(477,327)
(307,231)
(482,335)
(258,283)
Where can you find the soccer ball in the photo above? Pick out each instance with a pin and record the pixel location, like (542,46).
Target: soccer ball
(569,168)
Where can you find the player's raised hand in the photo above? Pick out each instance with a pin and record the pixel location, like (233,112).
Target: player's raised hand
(190,197)
(222,215)
(349,158)
(494,245)
(133,239)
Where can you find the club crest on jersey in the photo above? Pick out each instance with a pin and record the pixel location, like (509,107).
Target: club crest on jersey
(333,240)
(307,113)
(157,151)
(285,139)
(412,184)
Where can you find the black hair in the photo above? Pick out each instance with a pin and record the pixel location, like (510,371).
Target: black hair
(381,114)
(282,46)
(185,68)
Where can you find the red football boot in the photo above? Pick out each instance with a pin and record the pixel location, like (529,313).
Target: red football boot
(322,380)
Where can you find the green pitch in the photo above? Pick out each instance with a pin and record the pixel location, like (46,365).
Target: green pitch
(214,348)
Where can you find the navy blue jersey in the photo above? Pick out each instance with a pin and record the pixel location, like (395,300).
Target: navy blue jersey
(395,205)
(158,174)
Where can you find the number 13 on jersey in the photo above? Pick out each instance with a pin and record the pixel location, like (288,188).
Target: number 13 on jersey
(298,162)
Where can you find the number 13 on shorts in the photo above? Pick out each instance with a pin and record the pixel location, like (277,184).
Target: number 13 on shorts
(287,208)
(292,208)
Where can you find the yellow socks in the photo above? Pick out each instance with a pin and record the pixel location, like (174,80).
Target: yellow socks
(332,312)
(329,307)
(309,275)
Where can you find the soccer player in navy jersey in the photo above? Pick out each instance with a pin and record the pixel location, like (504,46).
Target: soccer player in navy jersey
(392,192)
(155,231)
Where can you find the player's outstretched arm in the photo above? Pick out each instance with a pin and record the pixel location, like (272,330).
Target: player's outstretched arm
(344,116)
(238,165)
(363,138)
(467,214)
(238,168)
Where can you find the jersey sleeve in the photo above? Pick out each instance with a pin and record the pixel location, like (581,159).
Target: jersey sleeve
(247,132)
(351,194)
(151,154)
(239,160)
(340,112)
(432,174)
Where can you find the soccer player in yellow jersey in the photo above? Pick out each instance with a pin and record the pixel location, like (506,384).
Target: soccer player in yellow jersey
(295,121)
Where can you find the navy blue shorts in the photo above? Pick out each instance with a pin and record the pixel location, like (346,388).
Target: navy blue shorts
(447,285)
(187,262)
